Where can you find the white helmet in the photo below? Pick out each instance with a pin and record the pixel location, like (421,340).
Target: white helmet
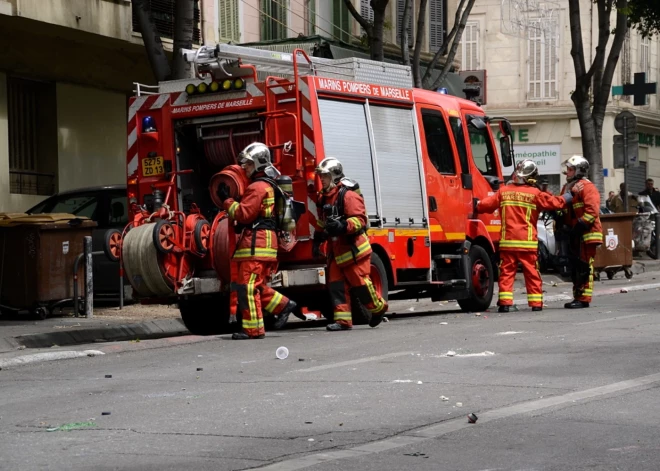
(526,172)
(257,153)
(580,164)
(333,167)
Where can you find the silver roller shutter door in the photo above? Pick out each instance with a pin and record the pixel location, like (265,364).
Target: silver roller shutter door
(346,137)
(399,173)
(637,178)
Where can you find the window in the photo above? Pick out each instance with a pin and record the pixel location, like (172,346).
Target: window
(543,60)
(437,27)
(32,126)
(645,60)
(483,153)
(470,46)
(274,19)
(79,204)
(438,144)
(118,214)
(162,14)
(310,17)
(229,20)
(341,21)
(459,137)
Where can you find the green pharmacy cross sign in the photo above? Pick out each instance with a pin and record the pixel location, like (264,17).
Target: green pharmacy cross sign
(639,89)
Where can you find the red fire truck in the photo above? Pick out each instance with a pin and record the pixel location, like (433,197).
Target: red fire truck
(421,159)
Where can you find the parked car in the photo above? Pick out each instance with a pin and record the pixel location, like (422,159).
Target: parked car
(108,207)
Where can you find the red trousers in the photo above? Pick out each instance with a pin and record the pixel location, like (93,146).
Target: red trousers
(583,288)
(509,266)
(354,276)
(255,296)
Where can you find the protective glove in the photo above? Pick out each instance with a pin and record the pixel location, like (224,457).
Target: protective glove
(568,197)
(319,238)
(579,228)
(336,227)
(223,191)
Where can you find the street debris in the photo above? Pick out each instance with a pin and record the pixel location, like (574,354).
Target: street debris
(419,382)
(402,381)
(417,453)
(301,359)
(310,439)
(105,413)
(472,417)
(511,332)
(451,353)
(282,353)
(108,376)
(459,404)
(444,323)
(309,422)
(477,314)
(385,319)
(311,316)
(411,309)
(444,398)
(200,369)
(624,290)
(71,426)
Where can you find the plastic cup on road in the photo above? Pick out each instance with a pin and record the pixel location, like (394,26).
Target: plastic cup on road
(282,353)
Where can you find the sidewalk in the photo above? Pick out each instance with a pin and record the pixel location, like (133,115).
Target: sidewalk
(141,322)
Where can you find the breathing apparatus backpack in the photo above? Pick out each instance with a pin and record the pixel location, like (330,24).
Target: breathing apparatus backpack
(287,210)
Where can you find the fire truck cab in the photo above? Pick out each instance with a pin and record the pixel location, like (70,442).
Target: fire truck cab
(421,159)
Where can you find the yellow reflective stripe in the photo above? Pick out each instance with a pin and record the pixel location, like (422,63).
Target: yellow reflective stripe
(505,295)
(503,222)
(342,316)
(232,209)
(258,252)
(345,257)
(588,217)
(320,223)
(356,223)
(519,204)
(377,301)
(267,201)
(528,217)
(578,205)
(277,298)
(526,244)
(269,239)
(592,236)
(534,297)
(253,323)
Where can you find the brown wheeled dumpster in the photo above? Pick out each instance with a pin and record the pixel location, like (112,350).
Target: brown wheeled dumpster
(616,252)
(37,256)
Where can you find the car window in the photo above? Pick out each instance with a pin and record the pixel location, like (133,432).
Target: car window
(483,153)
(79,205)
(118,212)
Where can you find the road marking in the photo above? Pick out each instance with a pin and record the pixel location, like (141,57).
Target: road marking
(352,362)
(611,319)
(37,357)
(453,425)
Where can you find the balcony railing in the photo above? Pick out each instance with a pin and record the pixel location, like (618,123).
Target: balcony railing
(31,183)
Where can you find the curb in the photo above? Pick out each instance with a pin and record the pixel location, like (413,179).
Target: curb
(146,330)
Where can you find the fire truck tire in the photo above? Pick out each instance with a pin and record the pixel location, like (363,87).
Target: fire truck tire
(202,233)
(141,262)
(112,244)
(163,236)
(378,276)
(207,315)
(482,283)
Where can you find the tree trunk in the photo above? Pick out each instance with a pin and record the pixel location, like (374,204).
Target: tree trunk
(419,38)
(405,47)
(376,40)
(152,44)
(184,23)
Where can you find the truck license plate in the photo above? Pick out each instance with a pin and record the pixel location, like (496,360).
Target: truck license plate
(153,166)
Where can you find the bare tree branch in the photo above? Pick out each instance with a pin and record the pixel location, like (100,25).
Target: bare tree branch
(443,50)
(160,66)
(421,20)
(454,46)
(364,23)
(405,51)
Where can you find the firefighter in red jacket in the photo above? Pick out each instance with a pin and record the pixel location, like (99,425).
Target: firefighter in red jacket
(520,203)
(256,250)
(343,222)
(583,217)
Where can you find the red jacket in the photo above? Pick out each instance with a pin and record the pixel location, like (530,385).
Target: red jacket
(586,207)
(354,245)
(520,206)
(258,202)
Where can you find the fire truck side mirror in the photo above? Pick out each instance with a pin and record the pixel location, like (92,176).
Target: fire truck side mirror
(505,151)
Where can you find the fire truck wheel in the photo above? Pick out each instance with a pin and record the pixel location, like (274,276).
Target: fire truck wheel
(164,236)
(112,244)
(378,276)
(207,315)
(482,282)
(202,234)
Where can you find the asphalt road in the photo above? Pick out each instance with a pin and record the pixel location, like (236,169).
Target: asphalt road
(556,390)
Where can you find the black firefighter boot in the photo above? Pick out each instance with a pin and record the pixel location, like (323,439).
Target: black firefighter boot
(575,304)
(283,316)
(503,309)
(244,336)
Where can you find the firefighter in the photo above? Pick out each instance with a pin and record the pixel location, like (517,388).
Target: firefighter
(519,203)
(586,232)
(256,249)
(343,222)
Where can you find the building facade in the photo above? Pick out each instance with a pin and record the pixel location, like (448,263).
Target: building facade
(530,78)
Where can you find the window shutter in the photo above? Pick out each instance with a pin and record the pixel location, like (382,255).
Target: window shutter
(366,11)
(274,19)
(645,60)
(310,17)
(550,61)
(542,68)
(470,46)
(229,23)
(436,24)
(400,7)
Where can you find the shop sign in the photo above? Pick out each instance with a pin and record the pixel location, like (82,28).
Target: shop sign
(546,156)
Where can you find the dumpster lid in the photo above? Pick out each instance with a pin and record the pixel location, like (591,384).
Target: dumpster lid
(45,218)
